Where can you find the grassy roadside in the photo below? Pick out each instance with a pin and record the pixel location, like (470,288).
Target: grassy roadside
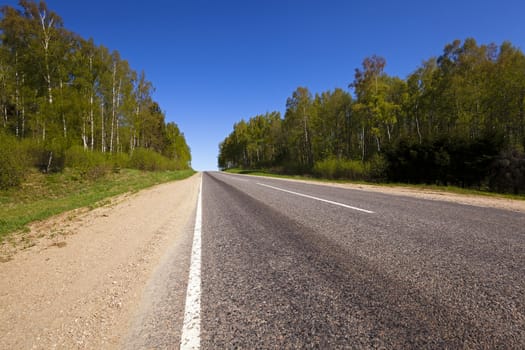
(42,196)
(422,187)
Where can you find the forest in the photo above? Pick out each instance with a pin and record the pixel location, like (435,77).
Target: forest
(67,102)
(457,119)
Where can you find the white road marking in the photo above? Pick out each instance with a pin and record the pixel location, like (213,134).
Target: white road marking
(318,199)
(191,328)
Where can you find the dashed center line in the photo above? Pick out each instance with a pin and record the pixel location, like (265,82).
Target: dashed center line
(317,198)
(191,328)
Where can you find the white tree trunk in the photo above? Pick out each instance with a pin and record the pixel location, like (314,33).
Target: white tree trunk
(45,44)
(418,131)
(91,107)
(84,133)
(117,116)
(113,106)
(23,120)
(363,144)
(64,125)
(17,97)
(92,121)
(102,133)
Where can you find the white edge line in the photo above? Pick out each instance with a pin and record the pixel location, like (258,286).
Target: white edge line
(317,198)
(191,327)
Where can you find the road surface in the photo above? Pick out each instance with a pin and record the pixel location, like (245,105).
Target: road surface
(294,265)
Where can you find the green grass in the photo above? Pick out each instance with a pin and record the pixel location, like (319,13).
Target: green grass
(42,196)
(422,187)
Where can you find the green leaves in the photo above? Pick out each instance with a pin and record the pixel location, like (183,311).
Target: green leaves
(445,123)
(56,87)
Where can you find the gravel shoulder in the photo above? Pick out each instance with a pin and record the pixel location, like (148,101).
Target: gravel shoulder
(80,278)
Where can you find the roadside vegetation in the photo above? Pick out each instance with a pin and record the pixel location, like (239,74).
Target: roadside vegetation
(41,196)
(77,124)
(458,120)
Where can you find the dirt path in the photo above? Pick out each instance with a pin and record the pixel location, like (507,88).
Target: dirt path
(80,283)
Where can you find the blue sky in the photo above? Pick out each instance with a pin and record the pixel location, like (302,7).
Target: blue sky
(215,62)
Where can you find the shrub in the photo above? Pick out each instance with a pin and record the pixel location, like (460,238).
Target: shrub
(376,168)
(13,164)
(11,168)
(31,151)
(508,172)
(50,156)
(145,159)
(460,161)
(91,164)
(120,161)
(333,168)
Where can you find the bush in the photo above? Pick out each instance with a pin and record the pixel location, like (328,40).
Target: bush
(460,161)
(13,163)
(31,151)
(333,168)
(91,164)
(508,172)
(120,161)
(145,159)
(376,168)
(50,157)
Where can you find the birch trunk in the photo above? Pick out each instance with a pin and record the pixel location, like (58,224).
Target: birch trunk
(363,144)
(92,121)
(113,106)
(45,44)
(116,116)
(91,106)
(17,94)
(102,133)
(64,126)
(23,112)
(84,135)
(23,120)
(418,131)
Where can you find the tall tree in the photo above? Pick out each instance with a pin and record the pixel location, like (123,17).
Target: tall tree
(297,126)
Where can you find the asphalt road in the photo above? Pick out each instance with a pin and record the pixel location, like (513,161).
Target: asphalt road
(282,269)
(288,265)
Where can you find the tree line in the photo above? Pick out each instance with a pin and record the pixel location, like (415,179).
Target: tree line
(458,119)
(60,90)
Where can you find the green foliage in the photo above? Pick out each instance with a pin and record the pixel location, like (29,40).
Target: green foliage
(91,165)
(377,168)
(144,159)
(446,123)
(253,144)
(120,161)
(176,147)
(61,93)
(12,163)
(333,168)
(457,161)
(51,157)
(508,172)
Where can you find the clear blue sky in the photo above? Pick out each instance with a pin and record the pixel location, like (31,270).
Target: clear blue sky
(214,62)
